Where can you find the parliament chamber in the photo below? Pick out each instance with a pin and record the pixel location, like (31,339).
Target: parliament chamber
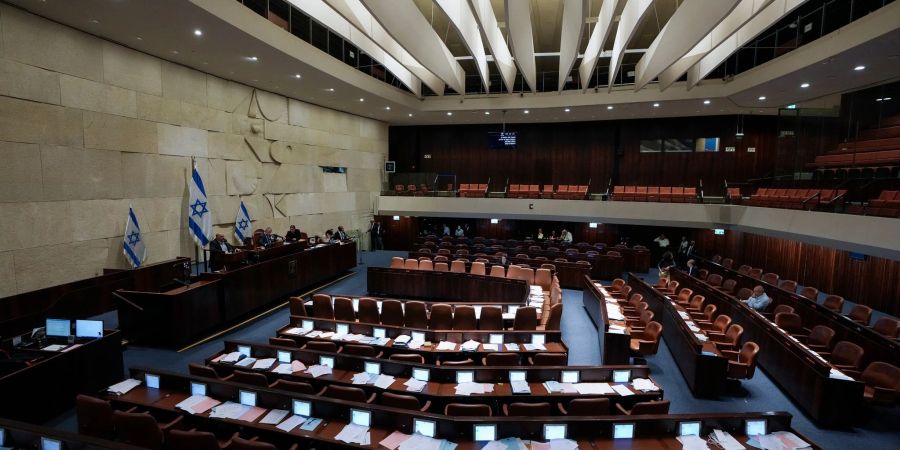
(438,224)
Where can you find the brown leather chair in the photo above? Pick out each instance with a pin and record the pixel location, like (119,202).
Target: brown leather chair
(141,429)
(645,318)
(466,410)
(322,307)
(696,304)
(882,383)
(684,296)
(368,311)
(860,314)
(464,318)
(321,346)
(788,285)
(543,278)
(297,307)
(458,266)
(251,378)
(282,342)
(742,364)
(847,357)
(707,315)
(415,315)
(477,268)
(95,417)
(408,357)
(426,264)
(727,263)
(554,319)
(392,313)
(298,387)
(820,339)
(527,409)
(730,340)
(791,323)
(201,370)
(193,440)
(887,326)
(498,271)
(703,274)
(360,350)
(714,280)
(441,317)
(343,309)
(743,294)
(641,408)
(783,309)
(586,407)
(717,326)
(770,278)
(728,286)
(616,285)
(501,359)
(457,363)
(440,266)
(809,292)
(646,342)
(834,303)
(549,359)
(349,393)
(744,269)
(397,262)
(411,264)
(404,402)
(632,303)
(526,318)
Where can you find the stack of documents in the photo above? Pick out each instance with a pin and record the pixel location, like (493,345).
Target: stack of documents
(644,385)
(414,385)
(445,345)
(364,378)
(779,440)
(297,331)
(555,444)
(614,312)
(512,443)
(618,329)
(837,374)
(394,440)
(415,344)
(264,363)
(313,334)
(384,381)
(470,346)
(594,388)
(402,340)
(533,347)
(122,387)
(317,370)
(491,347)
(354,434)
(474,388)
(287,369)
(197,404)
(326,334)
(520,387)
(420,442)
(511,347)
(246,362)
(701,337)
(232,357)
(274,417)
(555,386)
(236,411)
(692,443)
(622,390)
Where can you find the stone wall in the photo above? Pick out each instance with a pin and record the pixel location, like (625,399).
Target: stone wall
(89,127)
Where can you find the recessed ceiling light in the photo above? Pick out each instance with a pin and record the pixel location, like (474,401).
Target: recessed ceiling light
(254,80)
(388,108)
(706,102)
(198,32)
(804,85)
(487,113)
(410,114)
(95,21)
(139,38)
(566,110)
(656,105)
(887,98)
(298,76)
(525,112)
(609,107)
(252,58)
(858,68)
(761,97)
(449,113)
(174,52)
(330,89)
(362,99)
(879,99)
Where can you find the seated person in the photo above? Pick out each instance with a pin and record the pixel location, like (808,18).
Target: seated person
(340,235)
(759,300)
(329,236)
(267,239)
(665,264)
(565,236)
(692,268)
(292,235)
(218,247)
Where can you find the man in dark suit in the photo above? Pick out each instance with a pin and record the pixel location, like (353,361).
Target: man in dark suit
(267,239)
(375,233)
(293,234)
(692,268)
(340,235)
(218,247)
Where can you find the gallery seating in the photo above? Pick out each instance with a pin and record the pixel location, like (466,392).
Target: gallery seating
(665,194)
(795,198)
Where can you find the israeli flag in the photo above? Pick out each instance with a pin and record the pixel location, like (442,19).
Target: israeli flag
(199,217)
(133,247)
(242,223)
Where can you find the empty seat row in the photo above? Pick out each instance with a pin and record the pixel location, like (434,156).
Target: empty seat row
(562,192)
(874,157)
(887,205)
(794,198)
(472,190)
(411,189)
(669,194)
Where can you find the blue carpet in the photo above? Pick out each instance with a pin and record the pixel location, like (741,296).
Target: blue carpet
(879,428)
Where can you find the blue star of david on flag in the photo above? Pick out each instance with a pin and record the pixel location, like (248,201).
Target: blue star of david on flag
(132,245)
(199,217)
(242,223)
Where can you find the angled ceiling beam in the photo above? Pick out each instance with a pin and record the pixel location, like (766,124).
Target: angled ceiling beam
(484,12)
(597,41)
(362,19)
(521,39)
(758,24)
(629,21)
(463,19)
(570,37)
(405,23)
(743,12)
(325,15)
(693,20)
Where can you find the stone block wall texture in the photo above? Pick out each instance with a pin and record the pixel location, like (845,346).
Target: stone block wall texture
(89,127)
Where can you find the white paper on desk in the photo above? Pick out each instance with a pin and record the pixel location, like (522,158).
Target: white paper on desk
(692,443)
(297,331)
(264,363)
(470,346)
(414,385)
(291,423)
(283,369)
(781,440)
(644,384)
(512,347)
(231,357)
(317,370)
(491,347)
(384,381)
(533,347)
(122,387)
(469,388)
(229,410)
(511,443)
(622,390)
(197,404)
(314,334)
(446,345)
(297,366)
(594,388)
(338,337)
(563,444)
(53,348)
(837,374)
(394,440)
(420,442)
(402,339)
(353,434)
(326,334)
(701,337)
(415,344)
(520,387)
(274,416)
(245,362)
(363,378)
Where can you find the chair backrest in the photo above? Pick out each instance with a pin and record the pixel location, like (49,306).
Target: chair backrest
(702,274)
(821,336)
(458,266)
(244,444)
(491,318)
(498,271)
(343,309)
(782,309)
(697,302)
(368,311)
(397,262)
(771,278)
(441,317)
(513,272)
(543,278)
(861,314)
(441,267)
(322,307)
(412,264)
(529,409)
(349,393)
(526,318)
(553,322)
(727,263)
(734,333)
(635,300)
(202,370)
(192,440)
(501,359)
(283,342)
(646,316)
(408,357)
(322,346)
(887,326)
(788,321)
(251,378)
(392,313)
(755,274)
(788,285)
(721,323)
(708,312)
(744,294)
(651,407)
(440,258)
(426,264)
(748,355)
(834,303)
(467,410)
(550,359)
(299,387)
(809,292)
(477,268)
(138,429)
(457,363)
(359,350)
(729,285)
(716,259)
(588,407)
(95,416)
(714,279)
(847,354)
(415,315)
(882,375)
(400,401)
(464,318)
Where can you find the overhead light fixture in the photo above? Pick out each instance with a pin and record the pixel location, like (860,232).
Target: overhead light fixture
(566,110)
(609,107)
(362,99)
(879,99)
(387,108)
(656,105)
(449,113)
(487,113)
(252,58)
(330,89)
(139,38)
(761,97)
(804,85)
(95,21)
(860,67)
(298,76)
(198,32)
(706,102)
(525,112)
(791,106)
(887,98)
(410,114)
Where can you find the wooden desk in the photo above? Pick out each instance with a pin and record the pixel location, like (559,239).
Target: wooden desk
(456,287)
(801,373)
(703,367)
(180,316)
(49,385)
(26,435)
(616,346)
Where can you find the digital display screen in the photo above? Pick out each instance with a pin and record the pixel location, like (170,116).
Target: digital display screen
(308,324)
(512,309)
(424,427)
(623,430)
(152,381)
(418,336)
(538,339)
(516,375)
(360,417)
(89,328)
(621,376)
(326,361)
(485,433)
(343,328)
(244,350)
(248,398)
(465,376)
(496,339)
(420,374)
(689,429)
(302,408)
(59,327)
(379,333)
(372,367)
(50,444)
(284,357)
(570,376)
(504,140)
(554,431)
(756,427)
(198,389)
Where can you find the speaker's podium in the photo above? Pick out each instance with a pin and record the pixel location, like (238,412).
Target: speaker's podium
(214,300)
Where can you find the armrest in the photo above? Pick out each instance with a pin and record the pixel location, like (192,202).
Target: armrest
(695,314)
(639,335)
(622,409)
(372,398)
(883,395)
(731,355)
(426,406)
(562,409)
(379,355)
(226,378)
(717,337)
(170,425)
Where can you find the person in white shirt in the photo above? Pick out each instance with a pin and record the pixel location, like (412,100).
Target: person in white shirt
(565,236)
(460,232)
(759,300)
(663,242)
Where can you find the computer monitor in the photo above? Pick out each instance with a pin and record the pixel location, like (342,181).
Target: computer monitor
(342,328)
(302,408)
(247,398)
(424,427)
(152,381)
(512,309)
(307,324)
(2,436)
(372,367)
(244,350)
(517,375)
(569,376)
(554,431)
(465,376)
(495,338)
(50,444)
(379,333)
(755,427)
(326,361)
(623,430)
(58,327)
(89,329)
(420,374)
(418,336)
(198,388)
(621,376)
(485,432)
(361,417)
(689,428)
(538,339)
(284,356)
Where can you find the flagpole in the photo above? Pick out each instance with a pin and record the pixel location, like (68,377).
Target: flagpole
(196,247)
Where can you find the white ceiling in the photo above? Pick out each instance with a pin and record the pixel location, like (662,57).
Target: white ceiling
(232,33)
